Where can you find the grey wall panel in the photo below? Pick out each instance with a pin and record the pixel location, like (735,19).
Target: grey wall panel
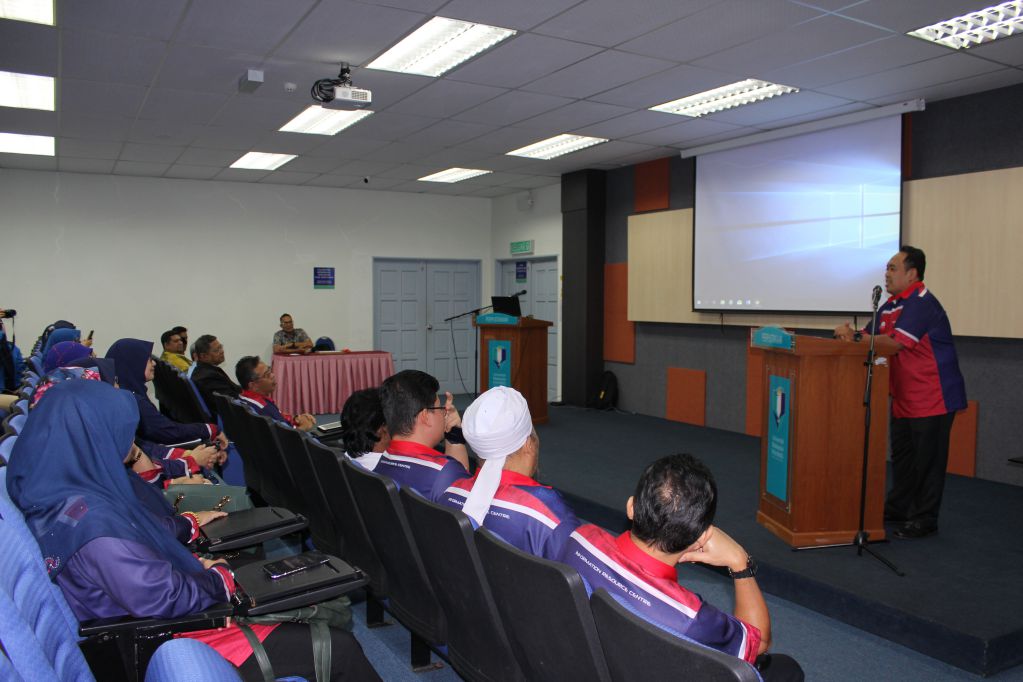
(682,191)
(620,202)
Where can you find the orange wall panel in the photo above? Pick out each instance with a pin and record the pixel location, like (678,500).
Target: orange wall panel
(651,185)
(619,333)
(754,391)
(686,396)
(962,446)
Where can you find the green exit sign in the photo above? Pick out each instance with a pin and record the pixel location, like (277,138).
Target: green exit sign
(523,248)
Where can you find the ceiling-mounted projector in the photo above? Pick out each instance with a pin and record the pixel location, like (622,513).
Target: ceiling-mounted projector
(339,93)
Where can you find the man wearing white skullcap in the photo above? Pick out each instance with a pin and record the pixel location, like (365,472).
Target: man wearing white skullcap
(504,495)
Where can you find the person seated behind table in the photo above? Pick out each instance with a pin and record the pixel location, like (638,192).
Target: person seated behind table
(504,495)
(289,339)
(135,366)
(208,377)
(111,557)
(417,422)
(363,431)
(258,383)
(671,512)
(174,350)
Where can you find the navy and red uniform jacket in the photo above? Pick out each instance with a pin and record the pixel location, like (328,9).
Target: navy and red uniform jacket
(650,589)
(925,378)
(527,515)
(423,469)
(266,407)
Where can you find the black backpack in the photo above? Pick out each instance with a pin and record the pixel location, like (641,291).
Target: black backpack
(607,395)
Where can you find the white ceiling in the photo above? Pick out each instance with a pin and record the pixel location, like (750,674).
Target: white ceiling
(150,87)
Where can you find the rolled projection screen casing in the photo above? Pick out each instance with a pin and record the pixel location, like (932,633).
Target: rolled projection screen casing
(803,224)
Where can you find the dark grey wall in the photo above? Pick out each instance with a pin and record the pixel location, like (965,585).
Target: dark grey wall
(966,134)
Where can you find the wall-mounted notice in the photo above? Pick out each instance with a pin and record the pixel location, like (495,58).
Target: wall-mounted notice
(323,278)
(520,271)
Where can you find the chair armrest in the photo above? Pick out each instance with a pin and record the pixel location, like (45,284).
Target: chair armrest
(213,617)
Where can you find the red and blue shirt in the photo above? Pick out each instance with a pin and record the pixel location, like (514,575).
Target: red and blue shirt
(262,405)
(527,515)
(650,589)
(419,467)
(925,380)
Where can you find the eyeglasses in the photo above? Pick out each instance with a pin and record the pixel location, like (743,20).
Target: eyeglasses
(264,375)
(438,407)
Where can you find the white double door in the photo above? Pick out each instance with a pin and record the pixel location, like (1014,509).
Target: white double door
(539,277)
(411,300)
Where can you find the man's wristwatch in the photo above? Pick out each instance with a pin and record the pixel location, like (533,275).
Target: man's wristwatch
(454,436)
(748,572)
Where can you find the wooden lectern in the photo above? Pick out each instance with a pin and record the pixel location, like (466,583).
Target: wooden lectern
(528,339)
(826,380)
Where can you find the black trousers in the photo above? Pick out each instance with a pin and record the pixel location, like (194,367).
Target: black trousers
(290,650)
(919,459)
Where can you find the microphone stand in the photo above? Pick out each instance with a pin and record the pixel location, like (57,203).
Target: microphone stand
(861,541)
(475,347)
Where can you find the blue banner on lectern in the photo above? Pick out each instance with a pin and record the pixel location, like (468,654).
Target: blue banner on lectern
(778,411)
(499,363)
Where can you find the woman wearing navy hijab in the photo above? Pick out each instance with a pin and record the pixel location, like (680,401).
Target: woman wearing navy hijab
(135,363)
(112,558)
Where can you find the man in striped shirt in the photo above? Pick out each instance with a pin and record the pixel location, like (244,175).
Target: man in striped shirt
(672,513)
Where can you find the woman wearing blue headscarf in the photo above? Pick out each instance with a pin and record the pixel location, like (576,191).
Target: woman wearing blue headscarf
(134,369)
(63,353)
(110,556)
(61,335)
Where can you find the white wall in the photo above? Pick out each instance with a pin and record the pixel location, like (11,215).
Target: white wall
(511,222)
(130,256)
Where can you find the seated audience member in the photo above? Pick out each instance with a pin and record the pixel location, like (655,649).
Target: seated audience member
(134,369)
(363,431)
(258,383)
(417,422)
(12,365)
(208,377)
(112,558)
(183,333)
(504,495)
(671,513)
(289,339)
(174,350)
(61,334)
(63,353)
(194,361)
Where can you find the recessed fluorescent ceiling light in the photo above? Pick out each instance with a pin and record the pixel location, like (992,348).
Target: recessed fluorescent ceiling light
(454,175)
(36,11)
(26,91)
(14,143)
(982,26)
(556,146)
(262,161)
(438,46)
(725,97)
(319,121)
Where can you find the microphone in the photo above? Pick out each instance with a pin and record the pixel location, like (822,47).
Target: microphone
(875,297)
(519,293)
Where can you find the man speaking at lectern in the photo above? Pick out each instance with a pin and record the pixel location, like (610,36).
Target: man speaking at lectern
(927,389)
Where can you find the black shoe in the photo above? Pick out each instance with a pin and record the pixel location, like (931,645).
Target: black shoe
(915,529)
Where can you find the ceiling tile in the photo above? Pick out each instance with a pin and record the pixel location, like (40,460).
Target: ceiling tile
(242,174)
(192,172)
(310,164)
(785,106)
(72,165)
(493,191)
(629,124)
(517,15)
(572,117)
(532,182)
(182,106)
(407,172)
(414,5)
(289,143)
(720,26)
(687,129)
(446,98)
(456,157)
(28,162)
(98,128)
(347,145)
(611,22)
(820,115)
(604,71)
(363,168)
(111,58)
(140,168)
(512,107)
(958,87)
(906,15)
(164,132)
(522,59)
(98,99)
(128,17)
(281,177)
(376,183)
(250,25)
(228,137)
(388,125)
(205,69)
(332,181)
(504,140)
(88,149)
(28,121)
(880,55)
(28,48)
(915,76)
(1005,51)
(269,114)
(150,152)
(347,31)
(665,86)
(405,151)
(199,156)
(449,132)
(825,35)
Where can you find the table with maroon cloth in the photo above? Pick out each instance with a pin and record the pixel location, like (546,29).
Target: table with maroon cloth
(320,383)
